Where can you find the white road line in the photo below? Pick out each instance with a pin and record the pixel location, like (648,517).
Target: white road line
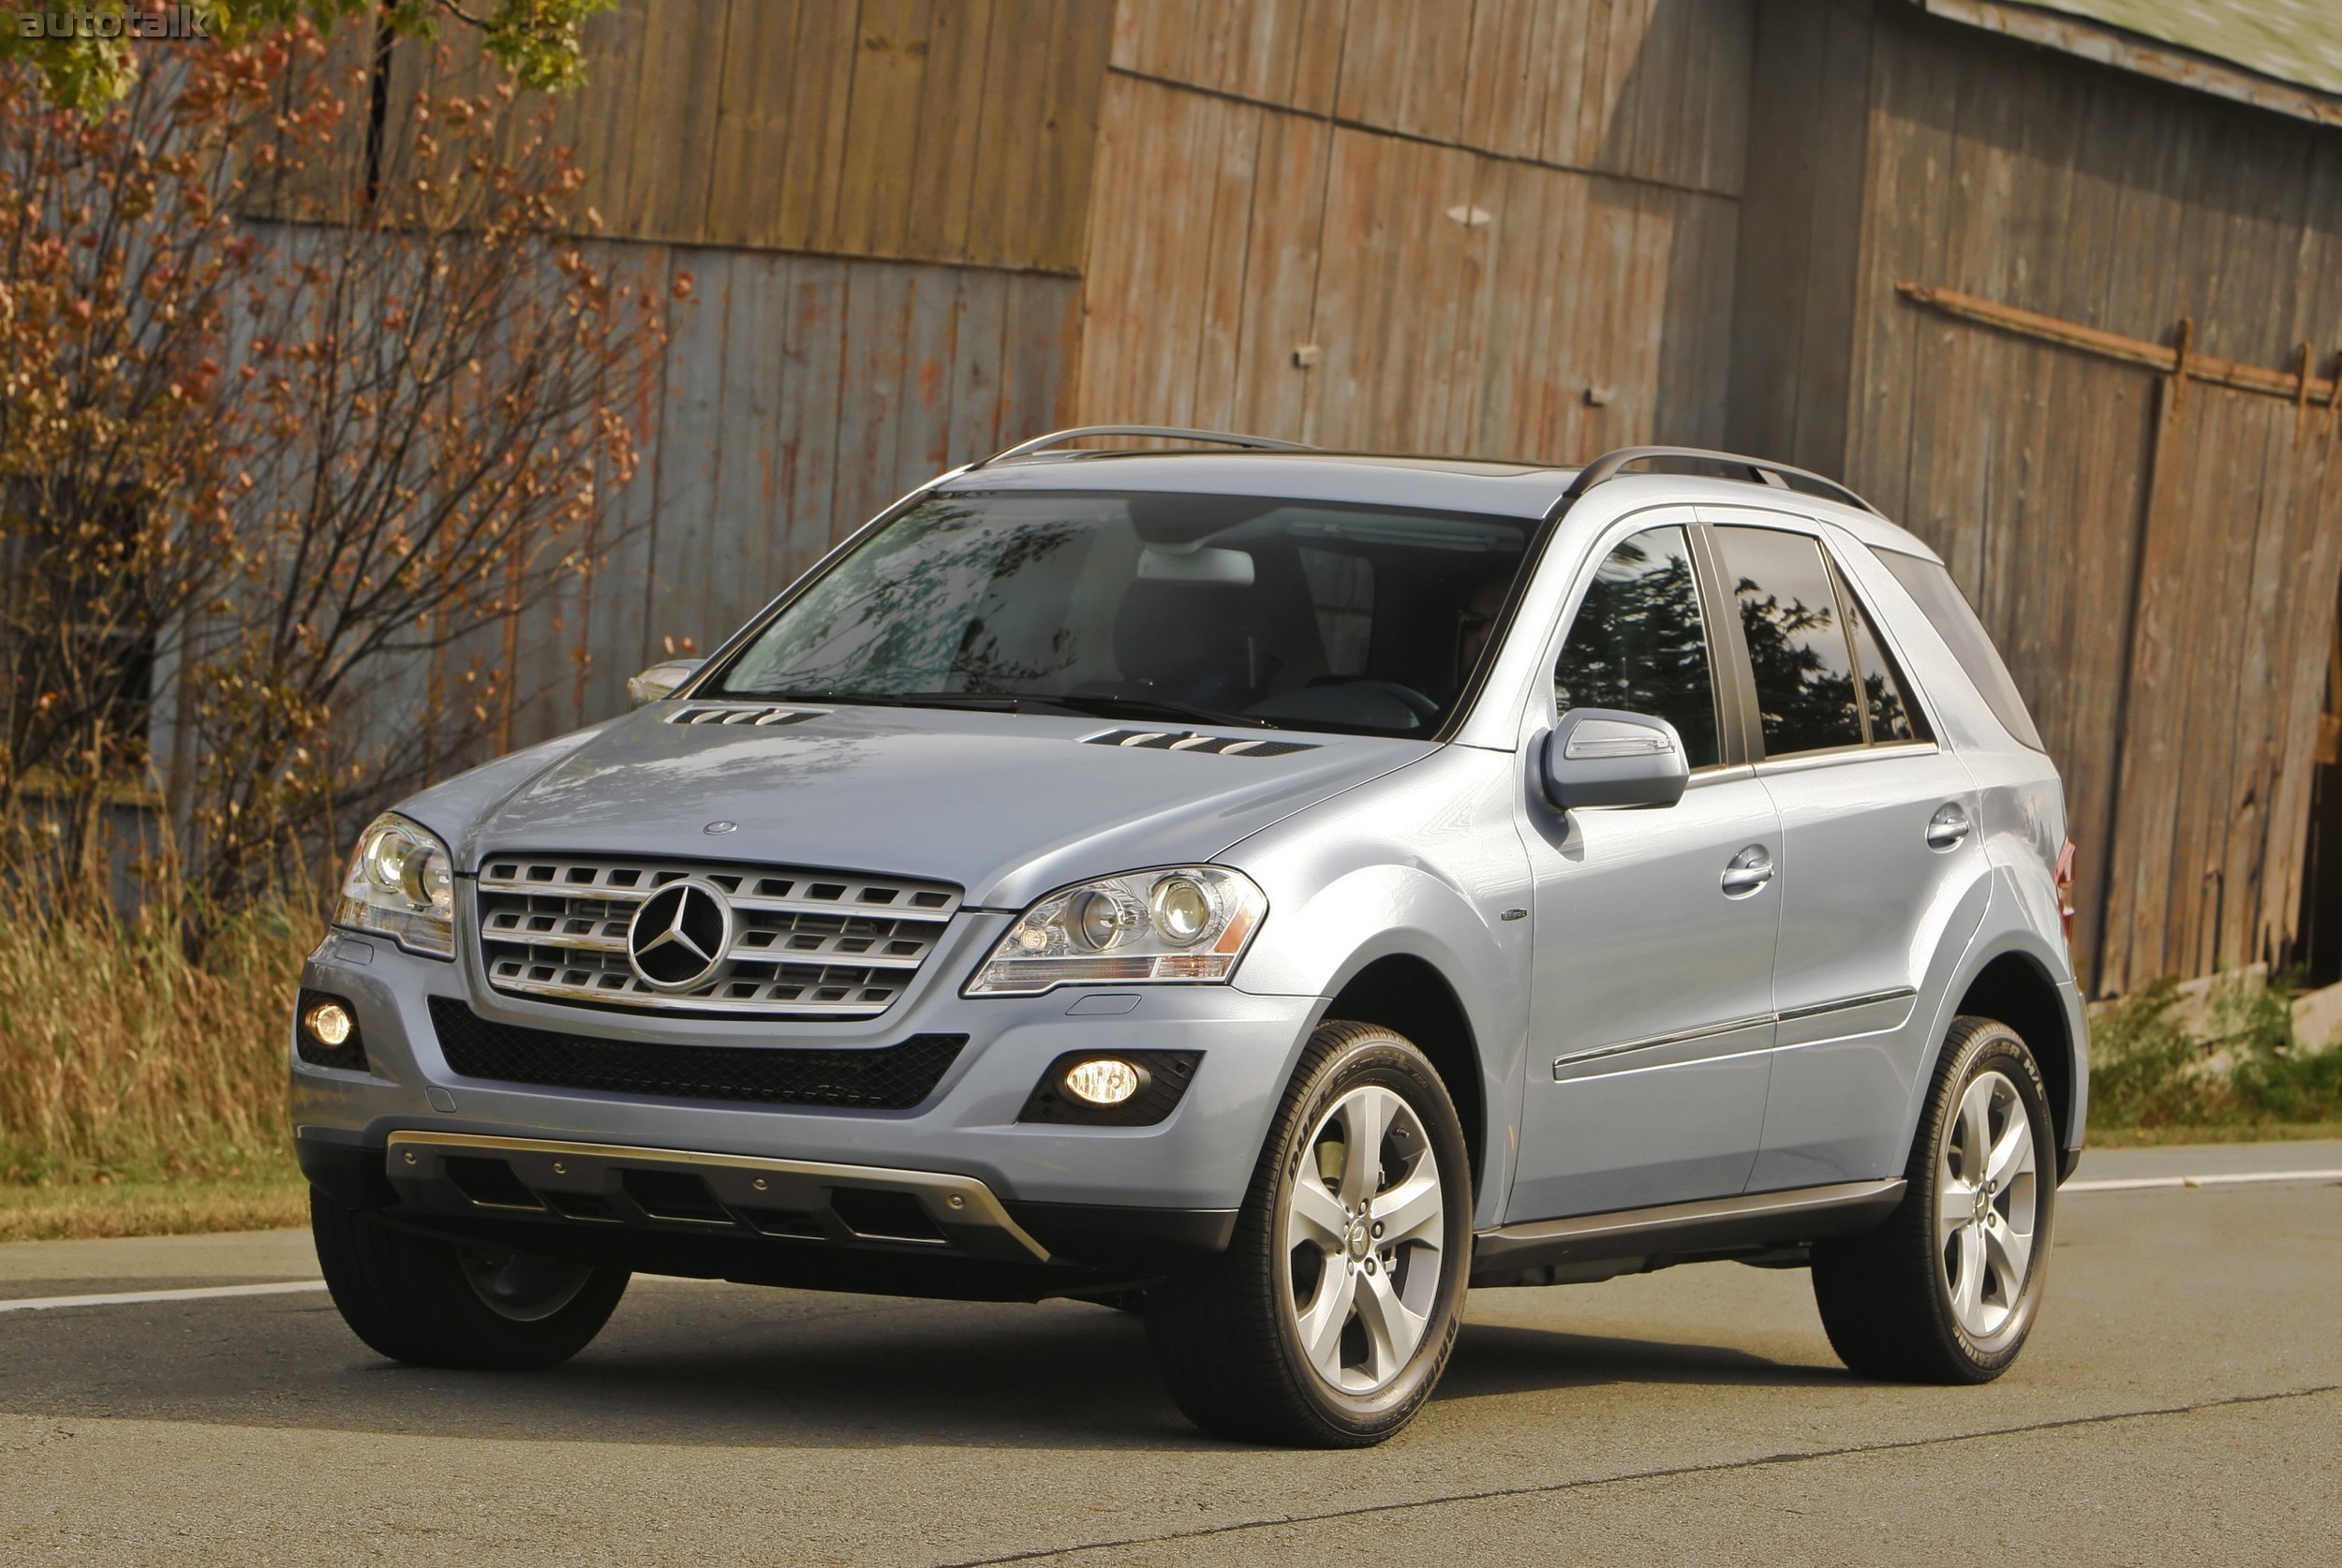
(289,1287)
(2134,1184)
(134,1298)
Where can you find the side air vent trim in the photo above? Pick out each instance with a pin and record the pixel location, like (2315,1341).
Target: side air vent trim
(766,716)
(1190,740)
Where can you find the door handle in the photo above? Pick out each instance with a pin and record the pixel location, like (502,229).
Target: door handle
(1748,871)
(1948,829)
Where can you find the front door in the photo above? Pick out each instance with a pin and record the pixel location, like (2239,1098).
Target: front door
(1651,1005)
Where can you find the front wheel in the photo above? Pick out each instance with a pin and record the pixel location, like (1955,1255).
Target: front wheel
(433,1302)
(1330,1317)
(1947,1290)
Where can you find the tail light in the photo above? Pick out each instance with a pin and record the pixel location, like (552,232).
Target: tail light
(2065,889)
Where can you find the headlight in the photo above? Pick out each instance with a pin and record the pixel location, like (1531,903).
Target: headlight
(401,883)
(1187,923)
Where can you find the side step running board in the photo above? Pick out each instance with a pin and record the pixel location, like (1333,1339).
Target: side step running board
(1750,1220)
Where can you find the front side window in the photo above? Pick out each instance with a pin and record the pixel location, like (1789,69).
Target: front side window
(1798,649)
(1640,644)
(1295,614)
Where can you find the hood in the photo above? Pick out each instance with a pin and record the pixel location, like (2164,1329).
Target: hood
(1007,806)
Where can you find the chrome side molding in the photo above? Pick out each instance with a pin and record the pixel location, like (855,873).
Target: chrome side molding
(1874,1011)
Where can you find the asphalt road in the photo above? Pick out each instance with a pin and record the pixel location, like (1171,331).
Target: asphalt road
(2181,1402)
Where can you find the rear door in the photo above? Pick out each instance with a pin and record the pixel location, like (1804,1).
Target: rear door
(1881,879)
(1650,1004)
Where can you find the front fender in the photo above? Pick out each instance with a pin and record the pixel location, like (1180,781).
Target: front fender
(1424,863)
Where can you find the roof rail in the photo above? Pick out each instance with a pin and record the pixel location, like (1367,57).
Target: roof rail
(1758,470)
(1218,437)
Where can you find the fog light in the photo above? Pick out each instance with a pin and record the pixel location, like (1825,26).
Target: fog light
(1102,1081)
(329,1024)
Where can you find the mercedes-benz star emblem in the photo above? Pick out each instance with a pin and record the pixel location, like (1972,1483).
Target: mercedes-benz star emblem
(680,936)
(721,827)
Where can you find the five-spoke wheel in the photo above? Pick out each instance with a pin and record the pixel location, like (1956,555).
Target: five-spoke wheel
(1364,1236)
(1330,1316)
(1984,1204)
(1946,1290)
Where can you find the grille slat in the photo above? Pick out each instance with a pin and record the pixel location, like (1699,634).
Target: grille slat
(897,1077)
(806,943)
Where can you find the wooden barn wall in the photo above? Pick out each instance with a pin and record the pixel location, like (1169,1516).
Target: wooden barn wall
(884,205)
(801,396)
(2163,587)
(938,130)
(1488,227)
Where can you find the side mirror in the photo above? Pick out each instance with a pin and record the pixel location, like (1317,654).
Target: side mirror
(660,680)
(1603,756)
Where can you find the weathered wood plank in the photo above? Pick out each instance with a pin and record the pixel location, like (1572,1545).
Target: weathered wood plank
(1280,289)
(950,133)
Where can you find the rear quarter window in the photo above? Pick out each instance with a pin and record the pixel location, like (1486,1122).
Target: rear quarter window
(1928,582)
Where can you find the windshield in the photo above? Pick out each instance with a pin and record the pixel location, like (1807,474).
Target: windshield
(1232,609)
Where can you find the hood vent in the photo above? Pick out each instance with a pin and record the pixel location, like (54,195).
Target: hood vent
(766,716)
(1190,740)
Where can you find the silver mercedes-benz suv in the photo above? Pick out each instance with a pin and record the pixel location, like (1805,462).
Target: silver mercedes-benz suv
(1267,889)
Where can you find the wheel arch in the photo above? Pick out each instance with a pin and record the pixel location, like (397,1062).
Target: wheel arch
(1408,994)
(2015,987)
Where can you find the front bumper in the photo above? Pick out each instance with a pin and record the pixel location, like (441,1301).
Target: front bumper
(1113,1195)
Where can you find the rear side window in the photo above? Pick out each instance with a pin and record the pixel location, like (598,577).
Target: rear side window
(1939,596)
(1639,643)
(1798,648)
(1887,705)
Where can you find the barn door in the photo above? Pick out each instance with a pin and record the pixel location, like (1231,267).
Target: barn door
(2317,942)
(2201,595)
(2234,620)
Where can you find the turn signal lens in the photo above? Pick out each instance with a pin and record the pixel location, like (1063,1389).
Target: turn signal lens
(329,1024)
(1103,1081)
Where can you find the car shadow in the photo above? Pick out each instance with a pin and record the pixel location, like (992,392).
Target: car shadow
(1495,1359)
(700,1366)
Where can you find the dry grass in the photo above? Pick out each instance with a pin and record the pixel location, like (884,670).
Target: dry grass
(123,1060)
(142,1090)
(86,1209)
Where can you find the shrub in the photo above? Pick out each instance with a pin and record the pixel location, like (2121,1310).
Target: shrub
(2246,1066)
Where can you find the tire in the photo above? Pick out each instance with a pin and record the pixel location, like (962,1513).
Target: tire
(1229,1336)
(433,1302)
(1927,1298)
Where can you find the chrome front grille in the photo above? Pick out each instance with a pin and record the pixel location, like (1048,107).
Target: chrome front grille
(806,943)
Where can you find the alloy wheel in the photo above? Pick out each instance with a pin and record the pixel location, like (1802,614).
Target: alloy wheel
(1364,1237)
(1987,1204)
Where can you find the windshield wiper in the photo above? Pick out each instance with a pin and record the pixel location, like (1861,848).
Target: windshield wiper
(984,702)
(1020,701)
(1150,707)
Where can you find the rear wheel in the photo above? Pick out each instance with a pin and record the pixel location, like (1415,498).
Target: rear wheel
(437,1302)
(1330,1317)
(1947,1290)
